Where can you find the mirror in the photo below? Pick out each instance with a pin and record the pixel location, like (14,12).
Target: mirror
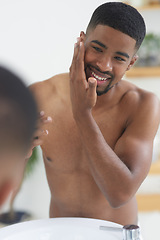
(37,39)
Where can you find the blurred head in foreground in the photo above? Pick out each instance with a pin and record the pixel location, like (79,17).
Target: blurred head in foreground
(18,117)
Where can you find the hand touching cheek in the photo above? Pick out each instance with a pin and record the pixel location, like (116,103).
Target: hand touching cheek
(82,92)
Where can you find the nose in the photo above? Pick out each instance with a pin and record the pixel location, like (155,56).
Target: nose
(105,64)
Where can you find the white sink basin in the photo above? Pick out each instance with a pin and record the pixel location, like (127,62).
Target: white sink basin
(61,229)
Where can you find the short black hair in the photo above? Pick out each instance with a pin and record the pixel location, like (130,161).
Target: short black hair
(18,113)
(122,17)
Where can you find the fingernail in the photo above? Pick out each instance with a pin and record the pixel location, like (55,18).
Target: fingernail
(47,132)
(92,80)
(49,118)
(42,113)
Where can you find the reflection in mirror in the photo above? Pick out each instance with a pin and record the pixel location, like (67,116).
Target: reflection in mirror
(38,38)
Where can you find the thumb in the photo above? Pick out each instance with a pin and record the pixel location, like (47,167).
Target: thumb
(92,86)
(92,83)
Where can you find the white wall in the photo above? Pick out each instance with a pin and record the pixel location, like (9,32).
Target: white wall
(36,40)
(37,36)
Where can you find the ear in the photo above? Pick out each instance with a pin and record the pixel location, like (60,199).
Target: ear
(134,59)
(5,191)
(82,36)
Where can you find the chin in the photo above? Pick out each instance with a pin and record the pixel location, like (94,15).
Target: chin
(100,93)
(109,87)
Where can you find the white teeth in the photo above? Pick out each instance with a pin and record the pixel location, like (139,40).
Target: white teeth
(99,78)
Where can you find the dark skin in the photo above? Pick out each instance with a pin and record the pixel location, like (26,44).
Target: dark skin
(99,148)
(13,161)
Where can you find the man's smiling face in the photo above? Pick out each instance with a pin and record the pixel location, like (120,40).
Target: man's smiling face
(109,53)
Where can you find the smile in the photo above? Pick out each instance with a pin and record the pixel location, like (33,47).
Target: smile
(98,77)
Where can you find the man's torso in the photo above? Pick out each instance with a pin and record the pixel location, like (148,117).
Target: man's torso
(74,192)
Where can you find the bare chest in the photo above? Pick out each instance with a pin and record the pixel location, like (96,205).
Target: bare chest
(63,147)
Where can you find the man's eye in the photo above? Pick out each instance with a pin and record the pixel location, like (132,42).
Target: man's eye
(97,49)
(120,59)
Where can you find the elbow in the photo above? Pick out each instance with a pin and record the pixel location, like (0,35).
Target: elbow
(116,204)
(119,200)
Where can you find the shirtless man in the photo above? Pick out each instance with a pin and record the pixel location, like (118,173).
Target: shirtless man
(99,147)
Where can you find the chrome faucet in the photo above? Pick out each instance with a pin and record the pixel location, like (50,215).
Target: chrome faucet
(130,232)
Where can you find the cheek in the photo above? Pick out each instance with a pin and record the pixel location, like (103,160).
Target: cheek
(119,70)
(89,56)
(120,67)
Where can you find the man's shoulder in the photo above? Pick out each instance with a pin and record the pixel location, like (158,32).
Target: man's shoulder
(50,87)
(141,103)
(140,96)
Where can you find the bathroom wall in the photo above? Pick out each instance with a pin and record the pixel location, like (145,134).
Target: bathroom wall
(37,36)
(36,40)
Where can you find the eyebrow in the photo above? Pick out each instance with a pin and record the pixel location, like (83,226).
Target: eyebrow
(123,54)
(105,47)
(99,43)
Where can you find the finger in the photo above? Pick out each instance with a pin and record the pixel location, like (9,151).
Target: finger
(80,57)
(80,63)
(37,142)
(75,54)
(78,39)
(42,116)
(92,83)
(29,154)
(42,113)
(39,133)
(44,120)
